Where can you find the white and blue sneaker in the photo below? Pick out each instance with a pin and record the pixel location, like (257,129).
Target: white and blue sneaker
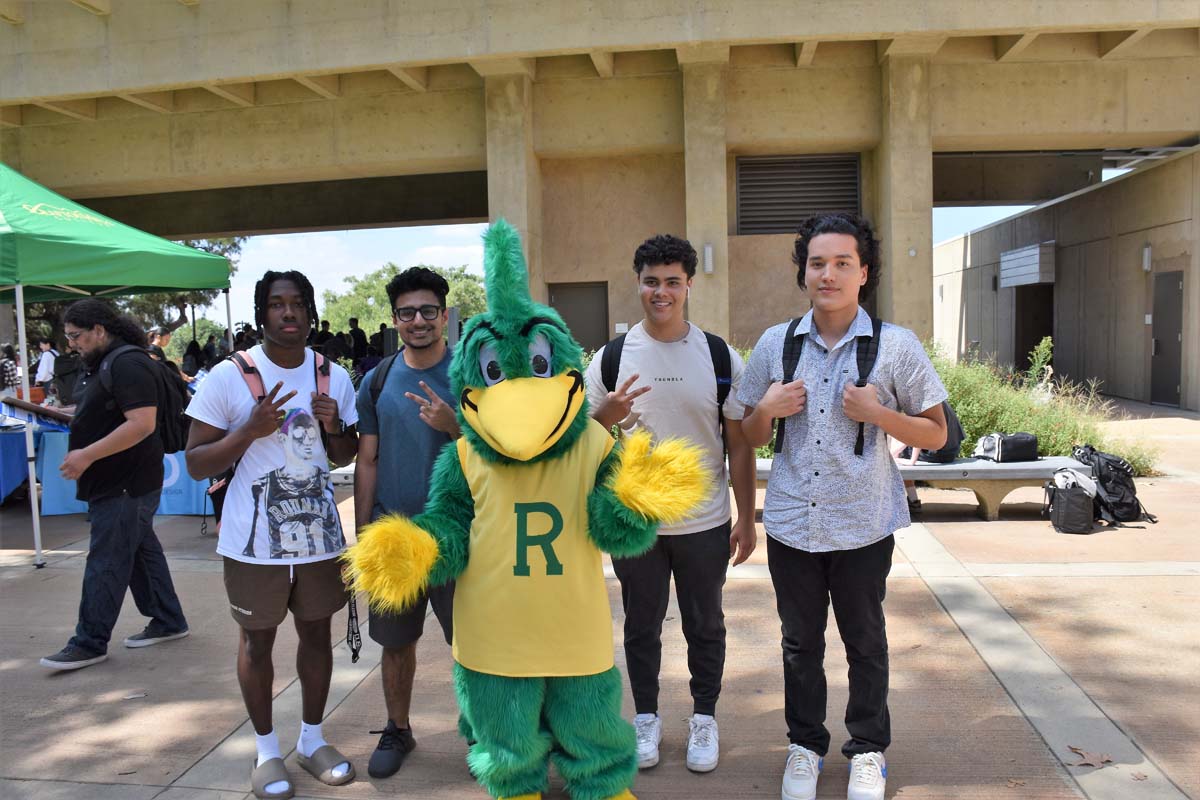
(801,773)
(868,777)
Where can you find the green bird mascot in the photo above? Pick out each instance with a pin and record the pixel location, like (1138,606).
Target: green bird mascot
(519,511)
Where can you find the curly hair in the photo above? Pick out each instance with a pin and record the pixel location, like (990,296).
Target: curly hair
(851,225)
(91,312)
(416,279)
(665,249)
(262,291)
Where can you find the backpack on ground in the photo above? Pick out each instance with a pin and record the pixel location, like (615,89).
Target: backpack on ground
(171,423)
(1069,502)
(1005,448)
(1116,495)
(866,351)
(610,367)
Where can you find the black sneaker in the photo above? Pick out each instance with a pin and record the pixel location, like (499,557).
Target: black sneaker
(148,637)
(394,745)
(71,657)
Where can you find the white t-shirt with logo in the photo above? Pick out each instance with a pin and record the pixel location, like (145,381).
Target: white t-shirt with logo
(279,507)
(682,402)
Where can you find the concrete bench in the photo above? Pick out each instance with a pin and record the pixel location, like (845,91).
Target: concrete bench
(991,482)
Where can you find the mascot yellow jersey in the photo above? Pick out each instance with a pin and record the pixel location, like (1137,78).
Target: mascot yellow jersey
(534,573)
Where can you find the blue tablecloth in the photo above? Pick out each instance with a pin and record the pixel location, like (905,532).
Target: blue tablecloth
(13,471)
(180,494)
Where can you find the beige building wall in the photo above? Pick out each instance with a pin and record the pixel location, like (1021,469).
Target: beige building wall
(1102,295)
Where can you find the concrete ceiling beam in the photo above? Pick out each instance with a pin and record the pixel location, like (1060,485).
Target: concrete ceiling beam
(1009,47)
(84,110)
(11,12)
(505,66)
(189,2)
(603,62)
(805,52)
(415,78)
(908,46)
(327,86)
(10,116)
(1117,43)
(162,102)
(702,54)
(101,8)
(241,94)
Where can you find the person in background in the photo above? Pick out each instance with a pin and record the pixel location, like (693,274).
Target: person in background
(10,378)
(45,368)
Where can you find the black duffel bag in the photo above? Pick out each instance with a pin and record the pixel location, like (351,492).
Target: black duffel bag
(1006,447)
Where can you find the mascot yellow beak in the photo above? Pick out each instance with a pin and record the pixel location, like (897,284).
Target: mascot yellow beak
(522,417)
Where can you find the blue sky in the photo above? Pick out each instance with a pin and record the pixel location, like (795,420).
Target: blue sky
(329,257)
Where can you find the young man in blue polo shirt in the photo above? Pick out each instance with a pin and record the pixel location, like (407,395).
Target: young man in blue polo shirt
(829,513)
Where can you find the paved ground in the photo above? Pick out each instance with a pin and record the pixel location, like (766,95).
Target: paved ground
(1010,644)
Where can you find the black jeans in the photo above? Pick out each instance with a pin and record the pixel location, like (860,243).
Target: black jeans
(124,552)
(856,581)
(698,562)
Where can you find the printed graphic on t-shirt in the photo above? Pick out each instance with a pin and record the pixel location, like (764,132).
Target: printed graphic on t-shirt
(294,503)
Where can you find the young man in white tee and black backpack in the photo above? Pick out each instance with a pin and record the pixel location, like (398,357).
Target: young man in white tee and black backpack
(686,386)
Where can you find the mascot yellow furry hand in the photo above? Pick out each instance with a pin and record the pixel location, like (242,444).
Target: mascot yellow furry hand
(519,511)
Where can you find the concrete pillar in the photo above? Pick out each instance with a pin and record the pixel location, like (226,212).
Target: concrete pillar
(8,324)
(904,181)
(705,189)
(514,181)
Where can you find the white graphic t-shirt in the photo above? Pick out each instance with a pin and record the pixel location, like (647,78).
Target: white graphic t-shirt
(279,506)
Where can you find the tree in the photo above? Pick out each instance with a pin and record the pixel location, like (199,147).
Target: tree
(366,297)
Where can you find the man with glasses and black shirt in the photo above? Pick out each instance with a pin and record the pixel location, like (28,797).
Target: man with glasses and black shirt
(403,425)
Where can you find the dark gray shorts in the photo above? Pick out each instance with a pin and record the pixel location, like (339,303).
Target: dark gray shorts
(400,630)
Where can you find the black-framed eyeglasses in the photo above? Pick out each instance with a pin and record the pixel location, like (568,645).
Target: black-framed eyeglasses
(409,313)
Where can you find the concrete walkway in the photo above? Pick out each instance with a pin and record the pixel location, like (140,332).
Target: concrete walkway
(1010,644)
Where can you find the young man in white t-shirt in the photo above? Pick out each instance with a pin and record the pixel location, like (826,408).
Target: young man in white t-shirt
(667,383)
(280,532)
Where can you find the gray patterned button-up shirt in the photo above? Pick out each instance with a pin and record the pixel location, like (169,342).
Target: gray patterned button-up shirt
(820,496)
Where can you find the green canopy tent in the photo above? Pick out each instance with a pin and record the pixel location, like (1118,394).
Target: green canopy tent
(54,249)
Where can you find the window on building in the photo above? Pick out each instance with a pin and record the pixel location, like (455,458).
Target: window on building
(775,192)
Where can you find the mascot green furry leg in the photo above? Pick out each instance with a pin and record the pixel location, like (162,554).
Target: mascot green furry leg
(520,509)
(517,722)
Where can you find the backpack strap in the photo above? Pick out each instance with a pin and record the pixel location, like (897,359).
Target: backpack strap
(866,350)
(723,373)
(610,363)
(321,372)
(793,346)
(105,369)
(379,376)
(250,374)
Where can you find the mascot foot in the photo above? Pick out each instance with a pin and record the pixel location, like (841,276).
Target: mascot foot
(534,796)
(625,795)
(665,483)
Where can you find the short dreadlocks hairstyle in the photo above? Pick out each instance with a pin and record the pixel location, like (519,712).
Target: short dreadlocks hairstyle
(262,290)
(851,225)
(665,249)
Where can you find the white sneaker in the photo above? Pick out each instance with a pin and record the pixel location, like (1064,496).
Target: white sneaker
(868,776)
(801,773)
(649,735)
(703,744)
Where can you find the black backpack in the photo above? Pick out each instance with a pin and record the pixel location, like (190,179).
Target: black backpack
(173,423)
(1116,496)
(954,440)
(610,366)
(866,351)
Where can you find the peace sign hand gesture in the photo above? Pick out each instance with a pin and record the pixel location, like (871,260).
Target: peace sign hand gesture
(618,405)
(434,411)
(268,415)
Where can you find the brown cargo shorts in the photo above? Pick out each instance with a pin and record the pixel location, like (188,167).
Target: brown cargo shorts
(260,595)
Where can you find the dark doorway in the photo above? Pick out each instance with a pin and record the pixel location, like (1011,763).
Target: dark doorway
(584,307)
(1033,320)
(1166,354)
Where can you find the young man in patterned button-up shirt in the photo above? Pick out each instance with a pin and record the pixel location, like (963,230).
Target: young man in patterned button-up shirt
(829,514)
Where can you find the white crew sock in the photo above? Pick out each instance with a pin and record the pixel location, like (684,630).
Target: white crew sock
(268,748)
(311,740)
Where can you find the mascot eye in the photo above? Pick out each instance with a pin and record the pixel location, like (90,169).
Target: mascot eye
(489,365)
(540,357)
